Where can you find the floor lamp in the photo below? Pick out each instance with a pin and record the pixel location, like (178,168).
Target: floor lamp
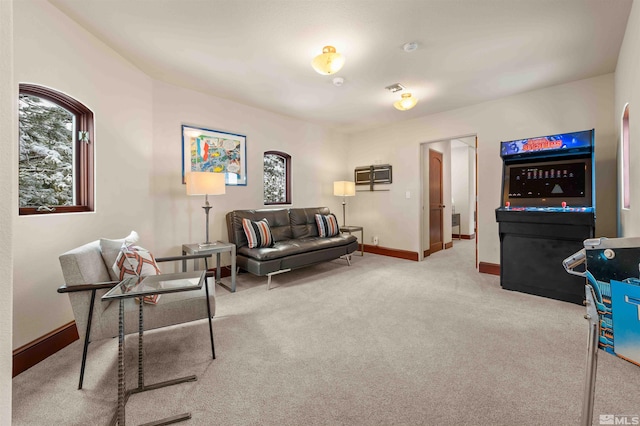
(344,189)
(205,183)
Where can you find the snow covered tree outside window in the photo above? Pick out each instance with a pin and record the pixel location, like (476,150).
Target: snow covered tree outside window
(277,184)
(55,152)
(45,167)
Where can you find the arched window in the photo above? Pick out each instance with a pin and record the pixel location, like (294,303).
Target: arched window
(626,193)
(55,167)
(277,178)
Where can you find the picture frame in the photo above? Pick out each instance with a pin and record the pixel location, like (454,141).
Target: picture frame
(208,150)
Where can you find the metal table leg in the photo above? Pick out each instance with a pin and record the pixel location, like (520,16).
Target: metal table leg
(218,275)
(206,284)
(233,269)
(121,371)
(123,394)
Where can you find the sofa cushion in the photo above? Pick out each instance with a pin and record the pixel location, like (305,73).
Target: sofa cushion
(258,233)
(296,246)
(327,225)
(303,221)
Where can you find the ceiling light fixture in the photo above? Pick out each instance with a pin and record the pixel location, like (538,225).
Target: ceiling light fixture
(406,102)
(328,62)
(410,47)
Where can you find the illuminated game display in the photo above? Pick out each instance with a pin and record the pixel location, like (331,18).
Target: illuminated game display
(562,180)
(547,211)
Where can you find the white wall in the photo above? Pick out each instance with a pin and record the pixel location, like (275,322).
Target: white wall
(579,105)
(627,83)
(120,97)
(317,158)
(8,156)
(461,186)
(470,222)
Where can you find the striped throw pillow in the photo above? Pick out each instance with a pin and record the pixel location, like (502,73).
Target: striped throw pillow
(258,233)
(327,225)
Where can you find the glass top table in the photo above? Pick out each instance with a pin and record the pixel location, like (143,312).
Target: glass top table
(138,287)
(156,284)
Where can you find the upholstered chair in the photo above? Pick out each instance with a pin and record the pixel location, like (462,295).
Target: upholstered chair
(87,278)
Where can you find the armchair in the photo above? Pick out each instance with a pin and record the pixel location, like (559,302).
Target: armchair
(87,279)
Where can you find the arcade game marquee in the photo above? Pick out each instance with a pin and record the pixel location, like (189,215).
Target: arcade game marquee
(548,210)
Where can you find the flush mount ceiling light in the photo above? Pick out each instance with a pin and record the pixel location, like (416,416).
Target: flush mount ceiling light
(328,62)
(410,47)
(406,102)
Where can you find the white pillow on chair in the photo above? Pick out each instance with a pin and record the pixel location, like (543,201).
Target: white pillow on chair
(111,248)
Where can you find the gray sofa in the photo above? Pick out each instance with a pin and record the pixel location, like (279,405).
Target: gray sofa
(297,243)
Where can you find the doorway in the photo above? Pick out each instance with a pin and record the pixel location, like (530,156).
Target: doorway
(448,186)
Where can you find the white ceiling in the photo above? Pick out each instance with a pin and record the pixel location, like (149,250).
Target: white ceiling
(258,52)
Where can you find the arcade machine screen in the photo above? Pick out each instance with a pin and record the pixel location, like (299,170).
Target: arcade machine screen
(560,180)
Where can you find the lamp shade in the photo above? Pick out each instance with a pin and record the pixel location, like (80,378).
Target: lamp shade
(328,62)
(344,188)
(205,183)
(406,102)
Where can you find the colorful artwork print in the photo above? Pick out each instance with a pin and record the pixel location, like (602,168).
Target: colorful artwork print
(216,152)
(215,155)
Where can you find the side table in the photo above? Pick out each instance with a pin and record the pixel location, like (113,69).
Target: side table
(217,248)
(139,287)
(350,229)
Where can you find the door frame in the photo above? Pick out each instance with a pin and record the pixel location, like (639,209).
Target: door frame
(424,146)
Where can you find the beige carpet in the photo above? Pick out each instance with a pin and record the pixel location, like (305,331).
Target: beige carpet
(383,342)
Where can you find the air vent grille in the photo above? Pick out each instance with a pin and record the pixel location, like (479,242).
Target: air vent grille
(395,87)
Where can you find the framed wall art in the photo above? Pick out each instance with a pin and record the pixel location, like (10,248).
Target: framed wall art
(206,150)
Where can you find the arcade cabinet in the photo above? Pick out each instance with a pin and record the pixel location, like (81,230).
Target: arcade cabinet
(548,210)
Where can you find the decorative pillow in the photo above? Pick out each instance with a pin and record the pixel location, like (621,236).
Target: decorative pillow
(258,233)
(111,248)
(134,261)
(327,225)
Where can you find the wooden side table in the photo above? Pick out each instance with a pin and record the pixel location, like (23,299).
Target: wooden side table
(350,229)
(217,248)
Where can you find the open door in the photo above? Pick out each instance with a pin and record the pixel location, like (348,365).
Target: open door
(436,208)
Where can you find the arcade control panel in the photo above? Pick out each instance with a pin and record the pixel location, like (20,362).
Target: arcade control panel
(547,209)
